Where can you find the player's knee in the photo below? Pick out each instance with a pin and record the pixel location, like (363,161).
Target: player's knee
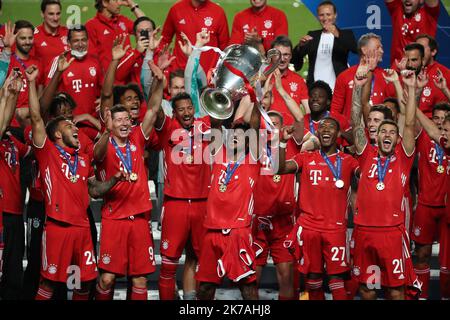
(206,291)
(139,282)
(107,281)
(396,293)
(249,291)
(423,253)
(285,271)
(366,293)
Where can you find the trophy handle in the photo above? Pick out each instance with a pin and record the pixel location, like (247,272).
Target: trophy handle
(272,60)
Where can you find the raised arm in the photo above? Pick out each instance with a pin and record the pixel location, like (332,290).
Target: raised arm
(61,64)
(441,83)
(101,147)
(409,142)
(432,3)
(134,8)
(359,135)
(118,51)
(37,123)
(13,85)
(284,166)
(154,104)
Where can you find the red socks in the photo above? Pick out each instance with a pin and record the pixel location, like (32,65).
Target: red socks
(43,294)
(167,279)
(138,293)
(423,273)
(338,289)
(314,288)
(351,287)
(102,294)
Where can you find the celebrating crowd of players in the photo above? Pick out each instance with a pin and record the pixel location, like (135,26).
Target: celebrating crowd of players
(85,114)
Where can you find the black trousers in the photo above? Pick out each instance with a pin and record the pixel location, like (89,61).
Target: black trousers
(35,227)
(14,240)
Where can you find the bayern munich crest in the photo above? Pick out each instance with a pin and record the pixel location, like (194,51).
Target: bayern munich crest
(106,259)
(293,86)
(268,24)
(417,231)
(52,268)
(427,91)
(122,26)
(36,223)
(418,17)
(133,147)
(208,21)
(356,271)
(165,244)
(92,71)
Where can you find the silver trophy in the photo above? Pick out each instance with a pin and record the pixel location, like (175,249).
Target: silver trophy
(239,62)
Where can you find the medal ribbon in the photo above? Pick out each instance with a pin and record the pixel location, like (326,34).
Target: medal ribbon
(383,169)
(20,61)
(311,124)
(440,153)
(230,171)
(337,171)
(13,153)
(72,168)
(125,160)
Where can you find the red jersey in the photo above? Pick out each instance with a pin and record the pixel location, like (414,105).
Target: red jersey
(129,68)
(186,173)
(406,29)
(82,80)
(11,151)
(295,86)
(65,201)
(184,17)
(126,198)
(270,22)
(233,208)
(432,185)
(431,95)
(102,31)
(343,91)
(46,45)
(384,208)
(16,62)
(275,194)
(323,206)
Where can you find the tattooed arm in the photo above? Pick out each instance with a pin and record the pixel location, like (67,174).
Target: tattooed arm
(359,135)
(98,189)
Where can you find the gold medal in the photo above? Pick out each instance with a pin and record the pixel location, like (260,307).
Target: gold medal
(339,184)
(223,188)
(440,169)
(189,159)
(133,176)
(276,178)
(380,186)
(73,179)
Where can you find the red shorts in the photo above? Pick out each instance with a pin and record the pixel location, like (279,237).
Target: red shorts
(227,254)
(379,256)
(427,223)
(65,248)
(323,252)
(269,234)
(182,219)
(126,246)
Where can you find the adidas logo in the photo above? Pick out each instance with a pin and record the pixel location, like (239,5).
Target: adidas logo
(312,163)
(70,74)
(182,21)
(401,277)
(246,27)
(105,32)
(44,44)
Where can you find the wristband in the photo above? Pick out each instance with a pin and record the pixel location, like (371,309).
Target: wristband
(283,144)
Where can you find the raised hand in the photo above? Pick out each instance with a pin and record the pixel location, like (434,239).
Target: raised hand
(409,78)
(252,36)
(122,176)
(277,77)
(31,73)
(63,63)
(422,79)
(202,38)
(142,44)
(390,75)
(156,71)
(9,38)
(164,58)
(185,44)
(118,51)
(304,41)
(371,59)
(154,41)
(361,75)
(108,120)
(401,65)
(331,28)
(440,81)
(13,84)
(287,133)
